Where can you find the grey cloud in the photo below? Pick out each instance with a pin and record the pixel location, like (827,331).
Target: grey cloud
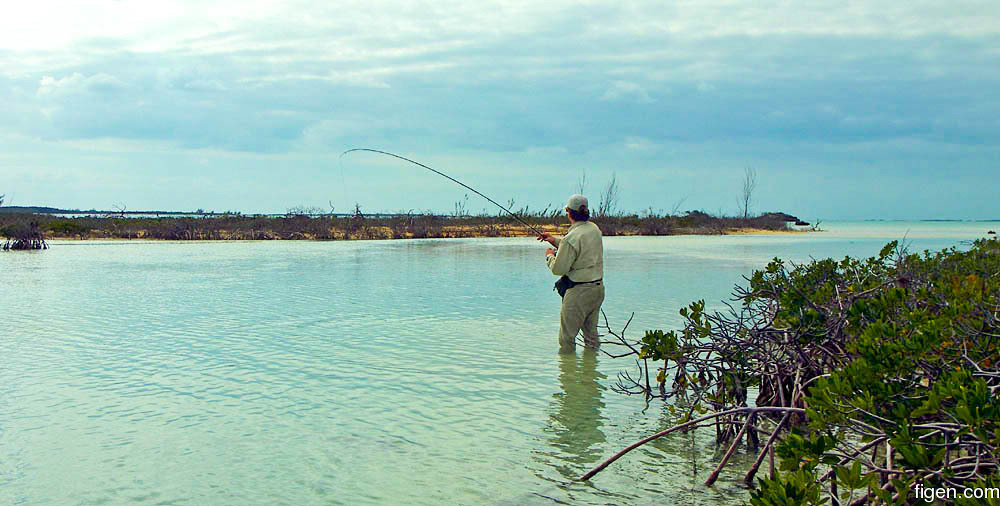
(600,93)
(645,88)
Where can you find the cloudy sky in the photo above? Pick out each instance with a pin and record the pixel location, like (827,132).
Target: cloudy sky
(846,109)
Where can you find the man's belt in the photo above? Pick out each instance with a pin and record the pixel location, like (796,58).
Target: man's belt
(565,283)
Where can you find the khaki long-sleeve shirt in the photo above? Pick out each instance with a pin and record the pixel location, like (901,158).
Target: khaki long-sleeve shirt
(579,254)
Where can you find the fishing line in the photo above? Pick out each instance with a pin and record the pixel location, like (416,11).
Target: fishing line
(473,190)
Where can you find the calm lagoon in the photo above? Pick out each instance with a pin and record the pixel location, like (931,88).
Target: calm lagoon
(416,372)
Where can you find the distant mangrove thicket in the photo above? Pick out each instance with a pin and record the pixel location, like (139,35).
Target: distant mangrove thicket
(293,226)
(868,381)
(22,234)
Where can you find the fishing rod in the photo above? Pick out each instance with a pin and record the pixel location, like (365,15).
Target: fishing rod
(473,190)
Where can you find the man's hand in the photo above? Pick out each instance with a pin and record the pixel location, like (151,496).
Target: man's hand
(547,237)
(550,251)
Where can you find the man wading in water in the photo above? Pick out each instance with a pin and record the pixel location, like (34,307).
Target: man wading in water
(579,259)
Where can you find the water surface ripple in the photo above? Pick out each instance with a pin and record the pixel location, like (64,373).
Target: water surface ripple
(418,372)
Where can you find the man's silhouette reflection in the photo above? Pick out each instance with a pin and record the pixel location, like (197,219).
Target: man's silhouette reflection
(575,414)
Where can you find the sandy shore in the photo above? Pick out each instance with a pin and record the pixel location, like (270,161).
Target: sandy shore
(758,231)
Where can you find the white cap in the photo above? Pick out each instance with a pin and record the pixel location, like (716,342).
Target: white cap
(576,202)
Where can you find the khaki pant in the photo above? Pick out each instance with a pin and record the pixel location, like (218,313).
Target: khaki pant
(581,308)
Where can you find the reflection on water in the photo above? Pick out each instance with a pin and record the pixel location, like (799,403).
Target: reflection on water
(575,418)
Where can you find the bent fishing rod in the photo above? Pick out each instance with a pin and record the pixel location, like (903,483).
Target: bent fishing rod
(473,190)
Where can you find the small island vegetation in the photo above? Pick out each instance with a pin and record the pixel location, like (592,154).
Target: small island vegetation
(298,225)
(313,223)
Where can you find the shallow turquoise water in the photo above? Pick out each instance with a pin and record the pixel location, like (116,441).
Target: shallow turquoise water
(418,372)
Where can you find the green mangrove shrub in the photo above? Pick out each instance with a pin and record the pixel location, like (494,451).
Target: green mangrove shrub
(870,378)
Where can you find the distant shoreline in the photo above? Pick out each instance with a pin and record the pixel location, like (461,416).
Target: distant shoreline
(446,233)
(360,227)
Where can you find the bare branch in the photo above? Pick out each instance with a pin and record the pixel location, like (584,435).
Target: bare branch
(749,186)
(609,198)
(693,423)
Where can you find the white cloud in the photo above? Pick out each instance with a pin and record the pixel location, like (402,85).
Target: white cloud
(624,90)
(392,29)
(205,85)
(323,134)
(706,87)
(330,133)
(101,83)
(640,144)
(51,87)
